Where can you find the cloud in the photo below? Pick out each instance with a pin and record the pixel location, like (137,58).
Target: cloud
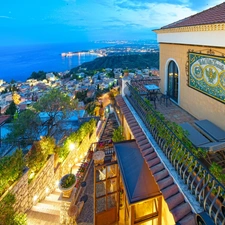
(6,17)
(132,16)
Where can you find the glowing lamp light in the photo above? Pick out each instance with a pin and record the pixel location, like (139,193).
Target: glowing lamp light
(35,198)
(57,183)
(72,146)
(47,190)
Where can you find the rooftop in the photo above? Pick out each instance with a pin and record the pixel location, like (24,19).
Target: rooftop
(3,119)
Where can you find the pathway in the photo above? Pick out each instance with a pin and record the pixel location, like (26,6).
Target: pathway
(86,216)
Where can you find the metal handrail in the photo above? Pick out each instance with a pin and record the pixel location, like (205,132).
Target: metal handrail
(200,181)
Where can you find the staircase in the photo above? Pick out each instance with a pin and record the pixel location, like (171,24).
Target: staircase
(46,212)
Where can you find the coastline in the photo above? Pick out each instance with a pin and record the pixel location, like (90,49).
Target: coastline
(18,62)
(70,54)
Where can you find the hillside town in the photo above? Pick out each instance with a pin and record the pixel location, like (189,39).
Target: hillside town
(81,86)
(33,89)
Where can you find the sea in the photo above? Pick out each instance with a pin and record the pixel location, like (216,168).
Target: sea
(18,62)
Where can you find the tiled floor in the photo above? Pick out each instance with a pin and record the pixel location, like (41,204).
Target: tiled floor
(174,113)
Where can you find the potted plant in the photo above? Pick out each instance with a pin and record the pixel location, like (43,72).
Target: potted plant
(66,184)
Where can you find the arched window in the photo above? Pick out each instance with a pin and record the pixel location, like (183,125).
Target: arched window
(172,89)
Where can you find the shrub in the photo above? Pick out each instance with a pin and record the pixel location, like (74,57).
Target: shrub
(8,215)
(68,180)
(39,153)
(118,134)
(11,168)
(76,137)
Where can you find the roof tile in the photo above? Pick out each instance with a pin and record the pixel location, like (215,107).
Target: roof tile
(165,182)
(150,156)
(189,219)
(147,151)
(161,175)
(169,191)
(175,200)
(181,211)
(157,168)
(212,15)
(153,162)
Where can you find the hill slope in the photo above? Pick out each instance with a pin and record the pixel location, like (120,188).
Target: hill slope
(130,61)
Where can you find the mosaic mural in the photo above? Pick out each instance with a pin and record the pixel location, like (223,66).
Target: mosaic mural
(207,75)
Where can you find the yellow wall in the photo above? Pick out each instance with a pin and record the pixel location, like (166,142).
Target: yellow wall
(167,216)
(198,104)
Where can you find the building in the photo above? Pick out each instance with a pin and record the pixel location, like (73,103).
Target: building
(192,66)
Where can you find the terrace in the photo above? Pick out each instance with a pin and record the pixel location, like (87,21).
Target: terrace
(173,113)
(189,164)
(200,188)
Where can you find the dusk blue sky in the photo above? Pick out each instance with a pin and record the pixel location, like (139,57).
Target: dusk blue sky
(57,21)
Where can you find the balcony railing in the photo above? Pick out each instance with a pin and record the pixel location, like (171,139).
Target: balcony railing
(209,192)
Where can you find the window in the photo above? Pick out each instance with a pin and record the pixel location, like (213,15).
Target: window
(172,89)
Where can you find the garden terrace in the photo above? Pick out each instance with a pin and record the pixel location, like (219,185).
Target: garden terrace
(208,191)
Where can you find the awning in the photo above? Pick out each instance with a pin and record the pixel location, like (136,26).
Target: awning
(138,180)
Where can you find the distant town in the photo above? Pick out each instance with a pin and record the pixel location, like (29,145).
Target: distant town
(83,81)
(120,48)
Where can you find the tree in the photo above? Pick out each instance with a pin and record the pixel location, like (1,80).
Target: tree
(12,81)
(81,95)
(90,108)
(31,124)
(39,153)
(11,110)
(41,75)
(25,128)
(58,107)
(16,98)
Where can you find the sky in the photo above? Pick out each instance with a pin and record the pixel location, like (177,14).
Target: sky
(62,21)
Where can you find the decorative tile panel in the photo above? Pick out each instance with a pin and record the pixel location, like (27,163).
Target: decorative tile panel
(207,75)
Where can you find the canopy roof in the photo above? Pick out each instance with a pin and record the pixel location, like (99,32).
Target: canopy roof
(138,180)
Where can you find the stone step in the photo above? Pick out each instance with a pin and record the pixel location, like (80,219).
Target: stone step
(50,209)
(39,218)
(49,205)
(46,212)
(54,196)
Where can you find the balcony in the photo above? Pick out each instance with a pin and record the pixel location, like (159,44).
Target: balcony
(186,160)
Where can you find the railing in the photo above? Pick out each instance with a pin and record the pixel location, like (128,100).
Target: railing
(209,192)
(103,145)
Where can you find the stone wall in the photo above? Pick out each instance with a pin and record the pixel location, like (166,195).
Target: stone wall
(28,194)
(78,153)
(43,183)
(21,191)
